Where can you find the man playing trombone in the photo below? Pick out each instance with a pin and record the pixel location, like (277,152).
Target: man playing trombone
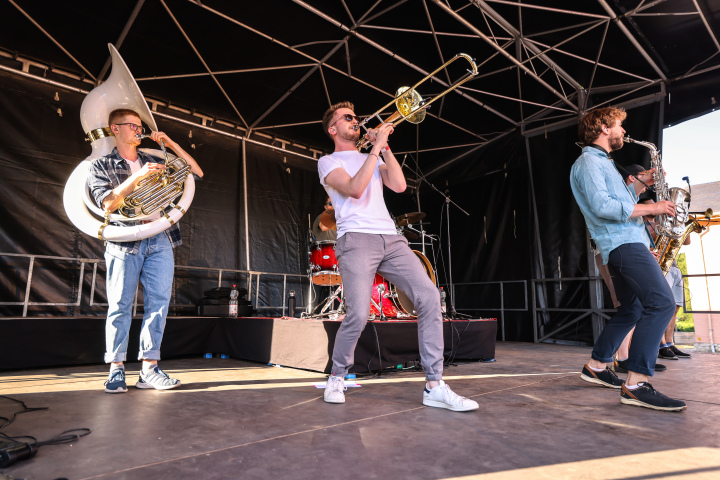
(150,260)
(368,243)
(614,219)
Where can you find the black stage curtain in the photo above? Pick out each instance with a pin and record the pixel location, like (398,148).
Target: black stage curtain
(493,242)
(497,240)
(41,142)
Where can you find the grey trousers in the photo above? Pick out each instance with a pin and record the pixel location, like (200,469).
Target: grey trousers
(359,256)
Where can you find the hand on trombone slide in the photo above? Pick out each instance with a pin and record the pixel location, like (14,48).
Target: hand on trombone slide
(379,135)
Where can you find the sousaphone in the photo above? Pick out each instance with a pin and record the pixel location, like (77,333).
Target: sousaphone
(119,91)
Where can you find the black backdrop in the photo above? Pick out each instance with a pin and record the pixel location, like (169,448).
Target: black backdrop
(41,143)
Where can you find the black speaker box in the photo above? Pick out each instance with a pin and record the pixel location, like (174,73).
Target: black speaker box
(245,309)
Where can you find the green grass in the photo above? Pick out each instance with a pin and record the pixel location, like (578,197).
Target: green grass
(685,322)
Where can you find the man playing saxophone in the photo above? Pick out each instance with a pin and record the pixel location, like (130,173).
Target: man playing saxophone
(614,220)
(150,260)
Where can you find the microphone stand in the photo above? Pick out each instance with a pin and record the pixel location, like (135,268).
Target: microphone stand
(452,313)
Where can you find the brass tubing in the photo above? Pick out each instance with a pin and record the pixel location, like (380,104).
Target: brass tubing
(363,142)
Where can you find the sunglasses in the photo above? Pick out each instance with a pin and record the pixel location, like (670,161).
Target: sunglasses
(348,118)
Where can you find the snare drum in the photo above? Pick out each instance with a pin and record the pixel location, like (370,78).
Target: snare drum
(324,264)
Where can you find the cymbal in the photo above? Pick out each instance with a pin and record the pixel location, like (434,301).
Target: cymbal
(409,218)
(328,220)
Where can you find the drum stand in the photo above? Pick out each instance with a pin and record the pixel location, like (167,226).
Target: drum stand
(381,295)
(329,303)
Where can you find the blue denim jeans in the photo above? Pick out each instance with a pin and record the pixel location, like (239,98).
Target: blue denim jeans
(153,265)
(646,303)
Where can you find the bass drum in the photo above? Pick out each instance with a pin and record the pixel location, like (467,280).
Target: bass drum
(402,300)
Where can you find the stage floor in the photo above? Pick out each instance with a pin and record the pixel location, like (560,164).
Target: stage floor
(236,419)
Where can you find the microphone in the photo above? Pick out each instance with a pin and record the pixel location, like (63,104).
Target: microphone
(403,163)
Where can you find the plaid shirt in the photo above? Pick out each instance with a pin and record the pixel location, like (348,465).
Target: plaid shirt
(107,173)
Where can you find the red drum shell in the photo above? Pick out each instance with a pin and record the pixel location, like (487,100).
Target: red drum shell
(324,264)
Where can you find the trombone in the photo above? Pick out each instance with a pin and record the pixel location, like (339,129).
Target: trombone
(410,105)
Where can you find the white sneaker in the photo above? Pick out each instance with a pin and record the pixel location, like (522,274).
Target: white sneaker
(334,390)
(442,397)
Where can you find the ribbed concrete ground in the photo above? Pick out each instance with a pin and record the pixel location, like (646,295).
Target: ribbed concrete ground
(233,419)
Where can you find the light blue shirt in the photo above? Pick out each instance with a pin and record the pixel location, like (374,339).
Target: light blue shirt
(606,202)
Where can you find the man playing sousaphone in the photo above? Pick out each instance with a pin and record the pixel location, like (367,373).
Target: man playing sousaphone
(151,260)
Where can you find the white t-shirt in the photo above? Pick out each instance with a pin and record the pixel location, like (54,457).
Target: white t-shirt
(134,166)
(367,214)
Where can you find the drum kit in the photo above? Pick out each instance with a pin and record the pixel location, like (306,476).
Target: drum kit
(387,301)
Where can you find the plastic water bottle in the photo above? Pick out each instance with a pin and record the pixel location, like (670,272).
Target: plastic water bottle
(291,304)
(234,302)
(443,305)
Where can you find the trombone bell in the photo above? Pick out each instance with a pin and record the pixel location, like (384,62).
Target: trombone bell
(410,105)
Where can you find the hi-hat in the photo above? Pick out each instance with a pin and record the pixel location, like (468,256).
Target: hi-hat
(409,218)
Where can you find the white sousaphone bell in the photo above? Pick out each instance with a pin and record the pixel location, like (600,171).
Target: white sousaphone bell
(119,91)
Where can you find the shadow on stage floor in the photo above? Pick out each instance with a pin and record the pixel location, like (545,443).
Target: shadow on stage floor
(236,419)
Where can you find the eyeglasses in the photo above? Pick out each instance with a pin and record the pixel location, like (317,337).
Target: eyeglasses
(348,118)
(135,128)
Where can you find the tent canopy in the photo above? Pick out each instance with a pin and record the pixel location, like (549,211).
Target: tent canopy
(272,68)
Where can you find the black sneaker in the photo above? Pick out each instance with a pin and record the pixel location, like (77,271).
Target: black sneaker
(666,353)
(646,396)
(606,378)
(620,366)
(679,353)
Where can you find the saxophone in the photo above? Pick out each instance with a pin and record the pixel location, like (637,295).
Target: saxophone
(671,231)
(668,248)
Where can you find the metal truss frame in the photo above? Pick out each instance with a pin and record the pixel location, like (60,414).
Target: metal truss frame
(531,56)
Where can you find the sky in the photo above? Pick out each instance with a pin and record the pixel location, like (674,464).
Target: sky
(689,149)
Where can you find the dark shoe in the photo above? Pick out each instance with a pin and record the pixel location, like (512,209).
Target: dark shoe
(606,378)
(116,381)
(646,396)
(666,353)
(620,366)
(679,353)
